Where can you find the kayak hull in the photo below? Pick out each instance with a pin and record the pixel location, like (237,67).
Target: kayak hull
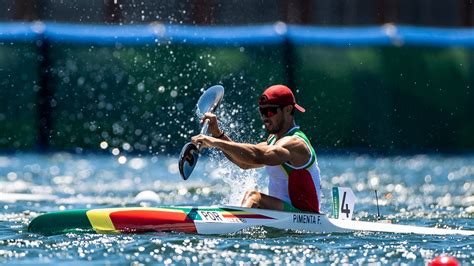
(208,220)
(201,220)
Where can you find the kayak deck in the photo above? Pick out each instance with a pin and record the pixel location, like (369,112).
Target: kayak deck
(208,220)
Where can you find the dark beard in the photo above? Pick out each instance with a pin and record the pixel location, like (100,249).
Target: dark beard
(276,127)
(272,131)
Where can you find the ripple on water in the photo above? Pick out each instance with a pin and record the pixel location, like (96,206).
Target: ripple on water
(423,190)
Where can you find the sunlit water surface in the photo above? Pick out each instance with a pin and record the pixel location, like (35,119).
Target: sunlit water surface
(425,190)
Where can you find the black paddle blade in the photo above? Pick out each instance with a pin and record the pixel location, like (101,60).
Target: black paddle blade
(188,159)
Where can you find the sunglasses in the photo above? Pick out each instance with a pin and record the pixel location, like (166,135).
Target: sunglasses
(269,111)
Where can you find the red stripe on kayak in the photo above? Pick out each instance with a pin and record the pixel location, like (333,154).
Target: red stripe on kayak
(139,221)
(250,216)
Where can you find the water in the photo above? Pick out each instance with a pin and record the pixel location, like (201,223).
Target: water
(425,190)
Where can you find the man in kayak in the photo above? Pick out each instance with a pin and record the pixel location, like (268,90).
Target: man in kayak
(287,155)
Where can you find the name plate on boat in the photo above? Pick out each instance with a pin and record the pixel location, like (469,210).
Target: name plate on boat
(306,219)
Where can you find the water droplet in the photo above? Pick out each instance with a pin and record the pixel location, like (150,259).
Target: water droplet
(115,151)
(104,145)
(122,159)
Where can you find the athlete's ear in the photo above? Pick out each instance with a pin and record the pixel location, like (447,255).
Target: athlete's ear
(288,108)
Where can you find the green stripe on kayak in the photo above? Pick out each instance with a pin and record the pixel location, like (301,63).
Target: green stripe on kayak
(60,222)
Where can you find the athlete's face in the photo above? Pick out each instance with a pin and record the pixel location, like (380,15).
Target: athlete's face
(272,117)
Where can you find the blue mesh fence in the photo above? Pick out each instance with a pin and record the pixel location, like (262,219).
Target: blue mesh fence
(69,86)
(237,35)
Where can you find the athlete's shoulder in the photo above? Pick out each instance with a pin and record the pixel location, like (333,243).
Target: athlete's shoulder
(291,141)
(302,135)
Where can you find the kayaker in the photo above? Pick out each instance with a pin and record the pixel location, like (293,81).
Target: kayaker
(287,155)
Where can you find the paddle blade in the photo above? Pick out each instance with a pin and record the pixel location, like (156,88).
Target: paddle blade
(188,159)
(210,100)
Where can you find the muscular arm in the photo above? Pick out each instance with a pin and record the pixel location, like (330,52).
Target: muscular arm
(287,149)
(239,158)
(254,155)
(247,155)
(215,131)
(236,160)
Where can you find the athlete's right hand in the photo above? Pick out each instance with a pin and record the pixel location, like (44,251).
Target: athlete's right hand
(213,128)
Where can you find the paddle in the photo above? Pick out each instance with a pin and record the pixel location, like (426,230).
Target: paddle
(208,102)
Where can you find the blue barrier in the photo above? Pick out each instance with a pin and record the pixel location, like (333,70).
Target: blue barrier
(343,36)
(386,35)
(437,36)
(241,35)
(11,32)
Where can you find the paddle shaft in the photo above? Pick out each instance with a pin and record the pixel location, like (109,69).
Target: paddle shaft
(204,128)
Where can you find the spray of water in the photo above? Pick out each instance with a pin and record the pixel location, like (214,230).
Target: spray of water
(237,180)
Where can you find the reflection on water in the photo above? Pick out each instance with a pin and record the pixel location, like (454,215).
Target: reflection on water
(428,190)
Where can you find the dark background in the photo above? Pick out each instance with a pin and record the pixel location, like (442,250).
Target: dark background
(455,13)
(388,99)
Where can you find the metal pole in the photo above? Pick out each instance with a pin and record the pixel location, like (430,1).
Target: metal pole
(293,12)
(378,210)
(113,11)
(30,10)
(25,10)
(45,96)
(466,12)
(203,12)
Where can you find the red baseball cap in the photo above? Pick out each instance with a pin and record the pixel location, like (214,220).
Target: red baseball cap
(279,95)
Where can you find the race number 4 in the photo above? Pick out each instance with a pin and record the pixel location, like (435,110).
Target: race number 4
(343,203)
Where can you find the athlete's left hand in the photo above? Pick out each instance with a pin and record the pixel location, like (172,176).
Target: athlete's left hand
(206,141)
